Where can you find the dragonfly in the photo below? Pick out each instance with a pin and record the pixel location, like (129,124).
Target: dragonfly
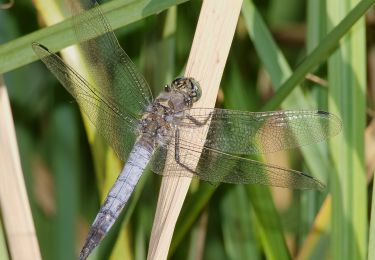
(161,132)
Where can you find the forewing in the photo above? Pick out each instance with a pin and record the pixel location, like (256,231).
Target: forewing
(116,126)
(110,68)
(241,132)
(215,166)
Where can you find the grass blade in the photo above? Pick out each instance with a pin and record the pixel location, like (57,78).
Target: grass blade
(210,48)
(268,223)
(15,208)
(238,228)
(3,246)
(64,141)
(371,247)
(316,245)
(18,52)
(319,54)
(347,80)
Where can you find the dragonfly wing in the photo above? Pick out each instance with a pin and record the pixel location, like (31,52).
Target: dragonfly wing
(110,68)
(241,132)
(116,126)
(215,166)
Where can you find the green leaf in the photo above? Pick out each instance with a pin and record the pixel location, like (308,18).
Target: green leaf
(268,223)
(65,148)
(18,52)
(3,246)
(238,228)
(371,247)
(319,54)
(347,89)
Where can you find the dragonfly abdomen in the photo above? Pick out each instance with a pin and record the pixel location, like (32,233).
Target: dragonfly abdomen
(118,196)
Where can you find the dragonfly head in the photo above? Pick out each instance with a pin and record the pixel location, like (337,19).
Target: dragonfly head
(189,87)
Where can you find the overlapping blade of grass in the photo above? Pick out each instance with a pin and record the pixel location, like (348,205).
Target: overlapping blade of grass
(314,243)
(237,225)
(65,162)
(3,246)
(316,31)
(14,203)
(269,226)
(320,53)
(18,52)
(347,89)
(201,246)
(141,232)
(316,23)
(371,243)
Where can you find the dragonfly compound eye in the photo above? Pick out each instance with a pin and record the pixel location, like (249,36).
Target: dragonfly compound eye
(196,91)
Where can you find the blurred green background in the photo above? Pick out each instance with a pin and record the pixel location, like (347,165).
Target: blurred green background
(67,173)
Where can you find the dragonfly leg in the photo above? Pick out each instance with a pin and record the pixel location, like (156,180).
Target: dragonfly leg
(197,122)
(177,156)
(177,152)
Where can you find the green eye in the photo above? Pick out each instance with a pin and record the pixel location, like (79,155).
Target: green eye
(196,88)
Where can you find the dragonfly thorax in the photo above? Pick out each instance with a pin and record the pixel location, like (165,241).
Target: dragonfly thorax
(158,124)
